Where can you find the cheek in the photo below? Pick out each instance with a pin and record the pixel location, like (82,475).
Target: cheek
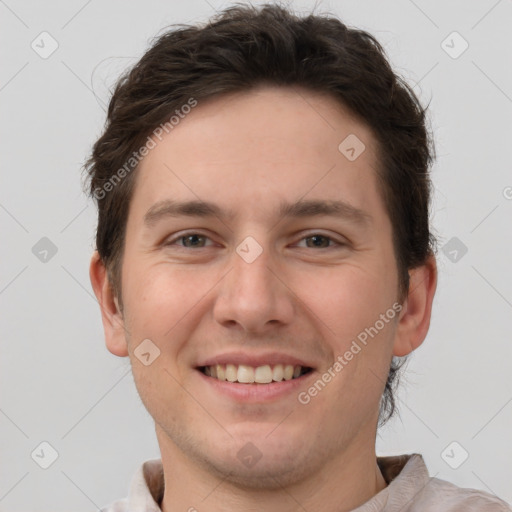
(160,305)
(158,296)
(346,299)
(353,309)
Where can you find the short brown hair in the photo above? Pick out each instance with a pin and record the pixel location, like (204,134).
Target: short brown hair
(238,50)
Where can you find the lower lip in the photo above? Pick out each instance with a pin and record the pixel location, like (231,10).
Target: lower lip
(257,393)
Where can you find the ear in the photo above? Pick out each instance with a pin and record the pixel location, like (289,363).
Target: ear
(414,319)
(111,316)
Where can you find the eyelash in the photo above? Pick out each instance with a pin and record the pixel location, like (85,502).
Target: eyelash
(173,241)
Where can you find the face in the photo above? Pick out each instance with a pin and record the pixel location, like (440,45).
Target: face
(276,279)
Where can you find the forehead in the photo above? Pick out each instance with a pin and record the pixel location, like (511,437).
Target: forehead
(266,145)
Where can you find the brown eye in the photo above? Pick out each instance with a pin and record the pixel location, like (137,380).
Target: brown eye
(318,241)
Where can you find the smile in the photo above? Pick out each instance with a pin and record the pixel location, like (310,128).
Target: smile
(245,374)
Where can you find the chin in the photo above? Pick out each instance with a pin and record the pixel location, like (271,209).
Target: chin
(265,474)
(257,460)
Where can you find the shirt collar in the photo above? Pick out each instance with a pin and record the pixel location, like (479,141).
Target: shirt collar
(147,487)
(406,476)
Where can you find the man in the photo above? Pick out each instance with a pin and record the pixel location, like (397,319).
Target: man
(263,258)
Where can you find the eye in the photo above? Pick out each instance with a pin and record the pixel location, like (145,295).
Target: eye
(198,240)
(319,241)
(189,240)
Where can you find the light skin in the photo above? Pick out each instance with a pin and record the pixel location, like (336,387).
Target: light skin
(319,282)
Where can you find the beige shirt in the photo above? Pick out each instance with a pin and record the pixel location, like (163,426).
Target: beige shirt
(410,489)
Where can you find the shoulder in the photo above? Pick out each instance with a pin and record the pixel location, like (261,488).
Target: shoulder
(445,496)
(117,506)
(412,489)
(146,490)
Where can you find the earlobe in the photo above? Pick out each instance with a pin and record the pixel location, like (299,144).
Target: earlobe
(414,320)
(111,315)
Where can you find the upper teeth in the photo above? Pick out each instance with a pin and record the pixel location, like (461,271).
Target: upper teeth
(249,374)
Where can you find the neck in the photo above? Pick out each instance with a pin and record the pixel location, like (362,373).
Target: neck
(344,483)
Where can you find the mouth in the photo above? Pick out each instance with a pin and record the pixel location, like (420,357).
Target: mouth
(264,374)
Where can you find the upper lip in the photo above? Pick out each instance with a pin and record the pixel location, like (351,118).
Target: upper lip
(255,360)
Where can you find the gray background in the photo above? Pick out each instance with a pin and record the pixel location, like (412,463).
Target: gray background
(58,382)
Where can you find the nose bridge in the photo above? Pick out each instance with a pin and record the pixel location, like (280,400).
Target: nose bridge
(251,271)
(251,295)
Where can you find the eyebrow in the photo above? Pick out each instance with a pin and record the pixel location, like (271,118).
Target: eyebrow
(300,209)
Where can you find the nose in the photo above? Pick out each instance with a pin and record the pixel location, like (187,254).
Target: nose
(253,295)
